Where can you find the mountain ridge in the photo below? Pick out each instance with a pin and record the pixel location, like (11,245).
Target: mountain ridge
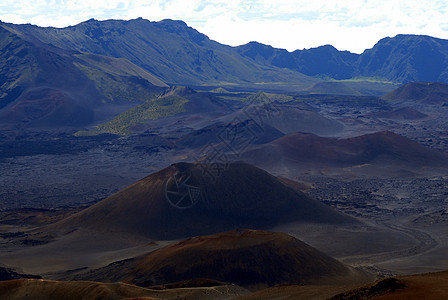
(171,50)
(401,59)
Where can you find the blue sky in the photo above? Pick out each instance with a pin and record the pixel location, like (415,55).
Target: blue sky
(353,25)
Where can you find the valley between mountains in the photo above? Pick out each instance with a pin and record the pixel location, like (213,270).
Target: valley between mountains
(144,160)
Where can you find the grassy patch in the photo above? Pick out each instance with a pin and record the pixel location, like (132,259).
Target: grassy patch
(367,79)
(153,109)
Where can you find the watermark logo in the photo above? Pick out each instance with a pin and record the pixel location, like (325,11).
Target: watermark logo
(237,136)
(181,191)
(213,159)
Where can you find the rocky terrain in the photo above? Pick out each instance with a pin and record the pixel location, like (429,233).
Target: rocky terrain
(136,152)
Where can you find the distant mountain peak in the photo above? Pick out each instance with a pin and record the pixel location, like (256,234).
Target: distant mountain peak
(173,22)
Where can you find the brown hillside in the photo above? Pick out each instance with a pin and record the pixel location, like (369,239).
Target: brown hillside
(241,257)
(420,92)
(240,195)
(287,118)
(405,113)
(38,289)
(422,286)
(382,149)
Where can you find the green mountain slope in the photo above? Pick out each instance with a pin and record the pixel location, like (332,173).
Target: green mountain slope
(42,85)
(406,58)
(169,49)
(173,101)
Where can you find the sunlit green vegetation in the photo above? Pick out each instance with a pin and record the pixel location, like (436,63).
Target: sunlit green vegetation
(150,110)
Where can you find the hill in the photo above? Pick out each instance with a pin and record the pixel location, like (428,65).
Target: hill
(186,199)
(421,286)
(179,101)
(421,93)
(286,118)
(249,258)
(249,130)
(259,119)
(87,290)
(405,113)
(385,151)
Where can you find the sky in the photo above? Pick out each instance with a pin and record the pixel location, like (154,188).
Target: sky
(353,25)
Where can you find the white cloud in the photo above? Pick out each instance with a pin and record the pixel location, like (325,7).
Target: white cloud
(292,24)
